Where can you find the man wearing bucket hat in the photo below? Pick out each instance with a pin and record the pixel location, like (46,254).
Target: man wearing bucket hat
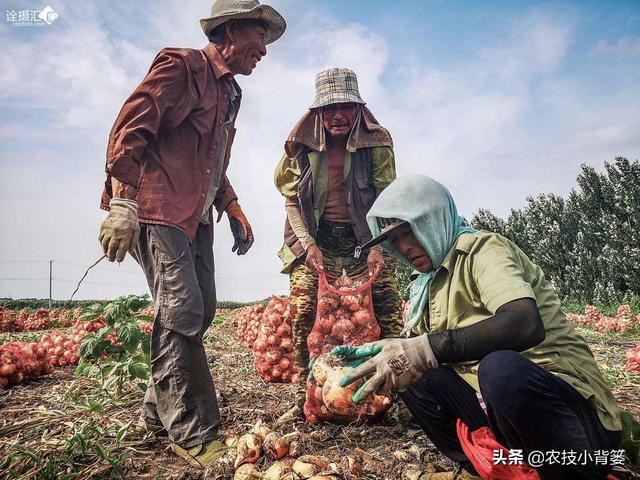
(338,158)
(166,169)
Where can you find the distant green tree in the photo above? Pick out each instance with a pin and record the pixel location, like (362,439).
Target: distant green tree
(588,244)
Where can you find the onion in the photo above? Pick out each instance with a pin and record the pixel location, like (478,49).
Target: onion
(326,322)
(287,344)
(284,364)
(283,331)
(273,356)
(7,370)
(315,341)
(307,466)
(247,471)
(249,449)
(277,446)
(343,329)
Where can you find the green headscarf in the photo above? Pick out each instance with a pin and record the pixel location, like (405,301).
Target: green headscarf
(428,207)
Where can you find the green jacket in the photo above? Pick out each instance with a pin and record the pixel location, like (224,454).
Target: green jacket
(482,272)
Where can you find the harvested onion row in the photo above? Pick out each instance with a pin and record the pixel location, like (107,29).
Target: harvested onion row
(55,349)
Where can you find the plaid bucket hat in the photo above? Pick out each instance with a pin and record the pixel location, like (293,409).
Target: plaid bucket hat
(336,85)
(224,10)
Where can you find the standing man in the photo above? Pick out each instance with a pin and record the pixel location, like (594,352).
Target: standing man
(166,168)
(338,159)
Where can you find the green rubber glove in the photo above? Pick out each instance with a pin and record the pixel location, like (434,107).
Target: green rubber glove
(356,362)
(310,367)
(349,352)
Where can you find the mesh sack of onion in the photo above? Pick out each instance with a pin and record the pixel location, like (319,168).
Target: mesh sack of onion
(273,348)
(248,322)
(344,316)
(21,361)
(9,321)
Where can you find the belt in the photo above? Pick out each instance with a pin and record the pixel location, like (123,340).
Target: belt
(335,229)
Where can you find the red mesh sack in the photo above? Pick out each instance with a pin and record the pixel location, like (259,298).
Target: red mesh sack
(8,321)
(273,348)
(62,349)
(247,321)
(344,316)
(479,447)
(21,361)
(38,320)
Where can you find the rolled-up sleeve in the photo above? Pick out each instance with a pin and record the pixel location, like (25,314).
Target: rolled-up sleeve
(287,176)
(384,167)
(498,275)
(166,96)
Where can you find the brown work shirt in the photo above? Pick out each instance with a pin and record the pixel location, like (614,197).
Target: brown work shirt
(165,138)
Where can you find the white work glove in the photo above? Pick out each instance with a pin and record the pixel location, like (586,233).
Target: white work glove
(120,230)
(396,363)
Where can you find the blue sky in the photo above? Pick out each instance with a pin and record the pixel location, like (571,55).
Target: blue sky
(497,100)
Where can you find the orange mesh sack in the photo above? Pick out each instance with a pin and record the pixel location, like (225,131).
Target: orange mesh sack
(344,316)
(273,348)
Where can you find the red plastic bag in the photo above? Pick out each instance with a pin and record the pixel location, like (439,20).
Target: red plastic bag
(479,447)
(273,348)
(344,316)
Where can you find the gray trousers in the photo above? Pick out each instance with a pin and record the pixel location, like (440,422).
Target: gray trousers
(180,396)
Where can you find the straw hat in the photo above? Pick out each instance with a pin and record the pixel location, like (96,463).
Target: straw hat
(336,85)
(224,10)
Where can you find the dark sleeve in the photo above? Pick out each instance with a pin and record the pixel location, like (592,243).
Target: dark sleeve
(224,196)
(166,96)
(516,326)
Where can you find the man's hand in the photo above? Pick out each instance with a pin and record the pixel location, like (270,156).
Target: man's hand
(314,258)
(240,228)
(375,262)
(395,363)
(120,230)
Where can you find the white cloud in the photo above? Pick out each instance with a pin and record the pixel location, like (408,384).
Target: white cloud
(495,128)
(627,47)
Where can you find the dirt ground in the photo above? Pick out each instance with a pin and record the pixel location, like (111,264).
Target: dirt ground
(386,449)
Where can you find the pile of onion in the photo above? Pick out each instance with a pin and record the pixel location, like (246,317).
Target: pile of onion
(9,321)
(62,349)
(81,327)
(273,348)
(149,312)
(248,322)
(38,320)
(21,361)
(62,317)
(146,328)
(633,359)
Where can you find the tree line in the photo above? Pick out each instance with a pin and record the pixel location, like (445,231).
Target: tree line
(587,244)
